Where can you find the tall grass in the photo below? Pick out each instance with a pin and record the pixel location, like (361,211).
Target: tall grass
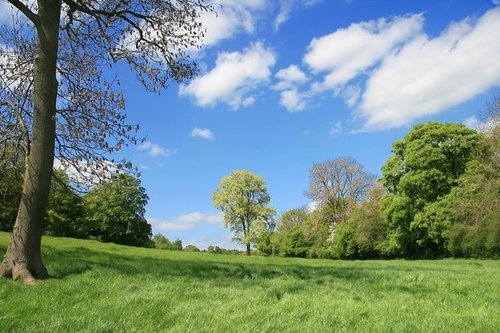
(100,287)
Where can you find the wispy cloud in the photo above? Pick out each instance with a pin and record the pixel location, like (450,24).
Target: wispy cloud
(204,133)
(235,76)
(186,222)
(472,122)
(154,149)
(336,129)
(287,7)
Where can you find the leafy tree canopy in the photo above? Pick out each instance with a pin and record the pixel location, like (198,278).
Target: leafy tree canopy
(243,199)
(425,166)
(115,211)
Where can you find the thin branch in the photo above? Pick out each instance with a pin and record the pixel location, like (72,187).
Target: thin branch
(26,11)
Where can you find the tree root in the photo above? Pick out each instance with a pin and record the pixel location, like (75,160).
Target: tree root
(22,273)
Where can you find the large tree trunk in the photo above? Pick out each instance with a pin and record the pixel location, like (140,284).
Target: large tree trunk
(23,258)
(248,249)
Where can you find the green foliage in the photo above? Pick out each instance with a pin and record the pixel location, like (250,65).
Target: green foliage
(318,227)
(243,199)
(115,212)
(296,244)
(162,242)
(10,195)
(64,216)
(191,248)
(365,234)
(425,166)
(474,205)
(264,243)
(101,287)
(293,218)
(11,177)
(479,241)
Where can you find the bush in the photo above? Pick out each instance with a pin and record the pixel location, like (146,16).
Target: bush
(191,248)
(296,244)
(481,241)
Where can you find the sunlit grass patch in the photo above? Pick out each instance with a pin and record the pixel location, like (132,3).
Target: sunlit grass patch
(100,287)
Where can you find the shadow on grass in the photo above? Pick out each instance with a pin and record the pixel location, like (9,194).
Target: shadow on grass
(64,263)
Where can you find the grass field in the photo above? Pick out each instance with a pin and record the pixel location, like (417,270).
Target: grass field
(110,288)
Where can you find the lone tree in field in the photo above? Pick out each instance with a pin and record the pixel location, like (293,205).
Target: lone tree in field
(56,101)
(243,199)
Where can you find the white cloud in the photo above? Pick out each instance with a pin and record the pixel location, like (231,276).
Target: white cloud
(472,122)
(154,149)
(229,18)
(186,222)
(86,173)
(292,100)
(427,76)
(235,76)
(351,94)
(290,79)
(204,133)
(312,206)
(346,53)
(336,129)
(286,8)
(291,74)
(5,12)
(284,13)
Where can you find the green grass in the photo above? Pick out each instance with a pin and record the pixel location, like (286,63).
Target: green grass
(110,288)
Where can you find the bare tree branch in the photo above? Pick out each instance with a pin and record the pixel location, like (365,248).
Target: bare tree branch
(26,11)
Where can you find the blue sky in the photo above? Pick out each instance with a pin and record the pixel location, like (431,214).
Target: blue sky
(287,83)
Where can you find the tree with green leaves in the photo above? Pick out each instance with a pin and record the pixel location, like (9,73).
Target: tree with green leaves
(364,235)
(243,199)
(162,242)
(11,178)
(115,212)
(56,99)
(289,220)
(473,207)
(64,217)
(425,166)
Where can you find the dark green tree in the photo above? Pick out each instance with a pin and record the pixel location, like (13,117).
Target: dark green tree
(64,215)
(296,244)
(11,179)
(426,165)
(115,211)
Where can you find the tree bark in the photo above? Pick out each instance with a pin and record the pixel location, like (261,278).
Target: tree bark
(248,248)
(23,258)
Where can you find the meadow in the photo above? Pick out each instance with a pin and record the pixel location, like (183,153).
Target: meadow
(97,287)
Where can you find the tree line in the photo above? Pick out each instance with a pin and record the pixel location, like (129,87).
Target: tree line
(439,196)
(112,211)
